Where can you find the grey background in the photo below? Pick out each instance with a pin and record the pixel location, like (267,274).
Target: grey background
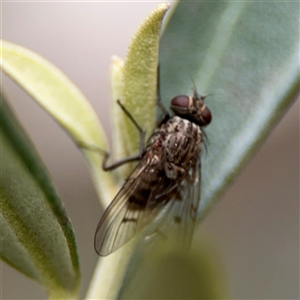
(255,226)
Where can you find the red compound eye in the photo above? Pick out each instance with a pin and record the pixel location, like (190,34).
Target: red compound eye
(180,101)
(206,115)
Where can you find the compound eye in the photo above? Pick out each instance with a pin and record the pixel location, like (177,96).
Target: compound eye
(206,115)
(180,101)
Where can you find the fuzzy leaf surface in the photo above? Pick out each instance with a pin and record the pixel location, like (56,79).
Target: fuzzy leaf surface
(37,237)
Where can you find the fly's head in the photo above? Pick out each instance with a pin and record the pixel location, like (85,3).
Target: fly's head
(192,108)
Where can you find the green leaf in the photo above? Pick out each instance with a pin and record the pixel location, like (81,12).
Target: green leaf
(245,55)
(36,235)
(136,83)
(51,89)
(120,149)
(163,274)
(140,80)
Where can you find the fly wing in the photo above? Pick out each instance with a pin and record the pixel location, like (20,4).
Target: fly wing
(141,200)
(190,192)
(179,216)
(133,207)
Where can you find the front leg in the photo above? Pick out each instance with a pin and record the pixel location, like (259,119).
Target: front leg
(106,154)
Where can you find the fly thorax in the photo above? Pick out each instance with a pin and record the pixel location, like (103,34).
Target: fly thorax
(182,146)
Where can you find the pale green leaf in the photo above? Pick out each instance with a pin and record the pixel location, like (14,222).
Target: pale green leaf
(36,235)
(140,79)
(51,89)
(136,82)
(164,274)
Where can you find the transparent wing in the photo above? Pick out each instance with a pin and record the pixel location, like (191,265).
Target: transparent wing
(180,215)
(145,198)
(191,195)
(135,206)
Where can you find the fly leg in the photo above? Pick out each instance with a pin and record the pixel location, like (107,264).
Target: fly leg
(106,154)
(130,158)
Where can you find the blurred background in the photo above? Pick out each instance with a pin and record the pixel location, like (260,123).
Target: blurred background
(255,226)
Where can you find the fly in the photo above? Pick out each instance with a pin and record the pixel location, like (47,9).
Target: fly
(165,184)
